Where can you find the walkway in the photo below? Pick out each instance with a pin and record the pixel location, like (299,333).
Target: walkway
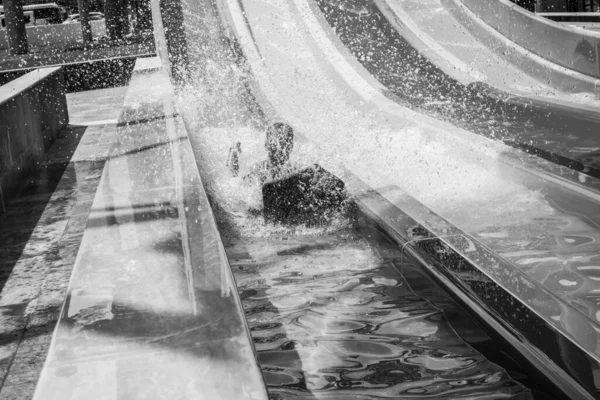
(151,310)
(97,259)
(40,235)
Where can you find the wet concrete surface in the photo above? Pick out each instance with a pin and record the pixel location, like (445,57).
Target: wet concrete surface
(40,235)
(151,309)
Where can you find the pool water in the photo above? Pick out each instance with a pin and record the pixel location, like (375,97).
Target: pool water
(332,317)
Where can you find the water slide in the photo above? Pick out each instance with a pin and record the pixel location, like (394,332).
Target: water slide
(485,177)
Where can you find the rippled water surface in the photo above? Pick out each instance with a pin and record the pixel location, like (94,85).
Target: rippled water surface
(331,318)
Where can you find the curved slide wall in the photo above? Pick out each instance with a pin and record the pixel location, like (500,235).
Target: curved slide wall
(572,48)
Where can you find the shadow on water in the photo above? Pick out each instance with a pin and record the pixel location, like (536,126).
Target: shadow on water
(281,369)
(275,367)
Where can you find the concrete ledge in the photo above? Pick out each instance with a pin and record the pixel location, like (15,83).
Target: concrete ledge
(33,110)
(152,309)
(565,57)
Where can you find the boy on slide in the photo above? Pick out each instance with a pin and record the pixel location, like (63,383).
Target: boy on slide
(292,195)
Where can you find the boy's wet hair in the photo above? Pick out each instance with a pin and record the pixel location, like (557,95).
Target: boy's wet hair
(281,132)
(279,142)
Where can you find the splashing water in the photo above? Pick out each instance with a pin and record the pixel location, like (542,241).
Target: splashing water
(464,182)
(327,314)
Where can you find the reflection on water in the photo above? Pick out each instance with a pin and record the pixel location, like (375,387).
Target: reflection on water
(337,321)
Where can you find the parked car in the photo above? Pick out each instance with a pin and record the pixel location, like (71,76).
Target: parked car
(39,14)
(93,16)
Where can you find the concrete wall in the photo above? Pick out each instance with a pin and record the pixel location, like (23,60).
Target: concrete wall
(33,110)
(58,35)
(576,49)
